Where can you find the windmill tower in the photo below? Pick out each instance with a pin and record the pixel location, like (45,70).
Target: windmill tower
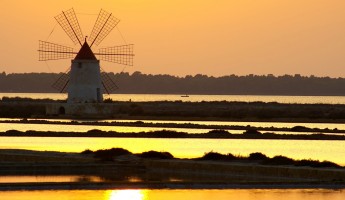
(84,81)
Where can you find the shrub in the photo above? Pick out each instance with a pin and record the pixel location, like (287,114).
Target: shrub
(109,154)
(252,132)
(280,160)
(299,129)
(167,134)
(213,156)
(87,151)
(156,155)
(217,156)
(217,133)
(316,163)
(257,156)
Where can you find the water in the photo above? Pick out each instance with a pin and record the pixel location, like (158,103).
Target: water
(132,129)
(195,98)
(181,148)
(84,128)
(338,126)
(138,194)
(188,147)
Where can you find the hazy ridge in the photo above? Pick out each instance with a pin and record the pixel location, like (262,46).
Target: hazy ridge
(199,84)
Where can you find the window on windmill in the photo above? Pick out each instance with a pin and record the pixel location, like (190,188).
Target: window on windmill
(80,65)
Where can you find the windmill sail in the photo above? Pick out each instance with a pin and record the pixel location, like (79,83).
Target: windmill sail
(104,24)
(118,54)
(69,23)
(108,83)
(61,84)
(52,51)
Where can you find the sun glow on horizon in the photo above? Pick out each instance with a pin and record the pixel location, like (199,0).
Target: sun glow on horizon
(125,194)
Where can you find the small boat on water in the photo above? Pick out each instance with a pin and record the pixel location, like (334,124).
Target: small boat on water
(186,95)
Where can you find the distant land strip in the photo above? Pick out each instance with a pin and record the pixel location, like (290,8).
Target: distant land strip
(190,125)
(189,111)
(139,83)
(216,134)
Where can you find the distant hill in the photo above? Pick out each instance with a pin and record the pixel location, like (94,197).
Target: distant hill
(199,84)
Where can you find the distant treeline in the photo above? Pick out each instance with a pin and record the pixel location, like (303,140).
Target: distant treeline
(199,84)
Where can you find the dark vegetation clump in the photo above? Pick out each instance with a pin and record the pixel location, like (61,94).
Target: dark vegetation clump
(87,152)
(218,133)
(156,155)
(279,160)
(95,131)
(316,163)
(167,134)
(252,132)
(263,159)
(110,154)
(257,157)
(217,157)
(300,129)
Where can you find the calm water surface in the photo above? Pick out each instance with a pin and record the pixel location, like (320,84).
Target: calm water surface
(195,98)
(338,126)
(187,148)
(136,194)
(84,128)
(132,129)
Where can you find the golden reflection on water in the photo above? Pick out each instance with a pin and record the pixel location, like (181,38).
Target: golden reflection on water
(125,194)
(187,148)
(177,194)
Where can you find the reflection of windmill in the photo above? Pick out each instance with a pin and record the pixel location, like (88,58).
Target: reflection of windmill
(85,82)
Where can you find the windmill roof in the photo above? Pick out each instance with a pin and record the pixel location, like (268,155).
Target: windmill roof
(85,53)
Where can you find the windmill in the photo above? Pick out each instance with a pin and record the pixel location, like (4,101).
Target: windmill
(85,81)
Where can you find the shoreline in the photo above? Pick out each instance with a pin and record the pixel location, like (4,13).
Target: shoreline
(167,134)
(169,185)
(149,173)
(173,110)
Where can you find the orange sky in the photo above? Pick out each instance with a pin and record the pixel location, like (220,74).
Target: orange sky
(179,37)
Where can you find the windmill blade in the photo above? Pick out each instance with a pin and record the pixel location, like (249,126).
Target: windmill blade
(117,54)
(69,23)
(108,83)
(52,51)
(61,84)
(104,24)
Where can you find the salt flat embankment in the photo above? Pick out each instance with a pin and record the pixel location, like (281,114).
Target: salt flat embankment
(157,173)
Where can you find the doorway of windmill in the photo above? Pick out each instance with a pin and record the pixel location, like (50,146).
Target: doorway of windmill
(62,110)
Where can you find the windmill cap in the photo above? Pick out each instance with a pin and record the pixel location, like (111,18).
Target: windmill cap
(85,53)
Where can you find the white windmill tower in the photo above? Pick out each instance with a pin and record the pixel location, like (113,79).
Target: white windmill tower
(85,82)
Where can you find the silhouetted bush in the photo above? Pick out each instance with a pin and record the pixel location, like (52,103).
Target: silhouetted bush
(109,154)
(279,160)
(87,151)
(299,129)
(316,163)
(217,157)
(95,131)
(257,156)
(156,155)
(167,134)
(217,133)
(251,132)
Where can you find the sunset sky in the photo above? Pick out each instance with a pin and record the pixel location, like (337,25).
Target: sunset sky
(179,37)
